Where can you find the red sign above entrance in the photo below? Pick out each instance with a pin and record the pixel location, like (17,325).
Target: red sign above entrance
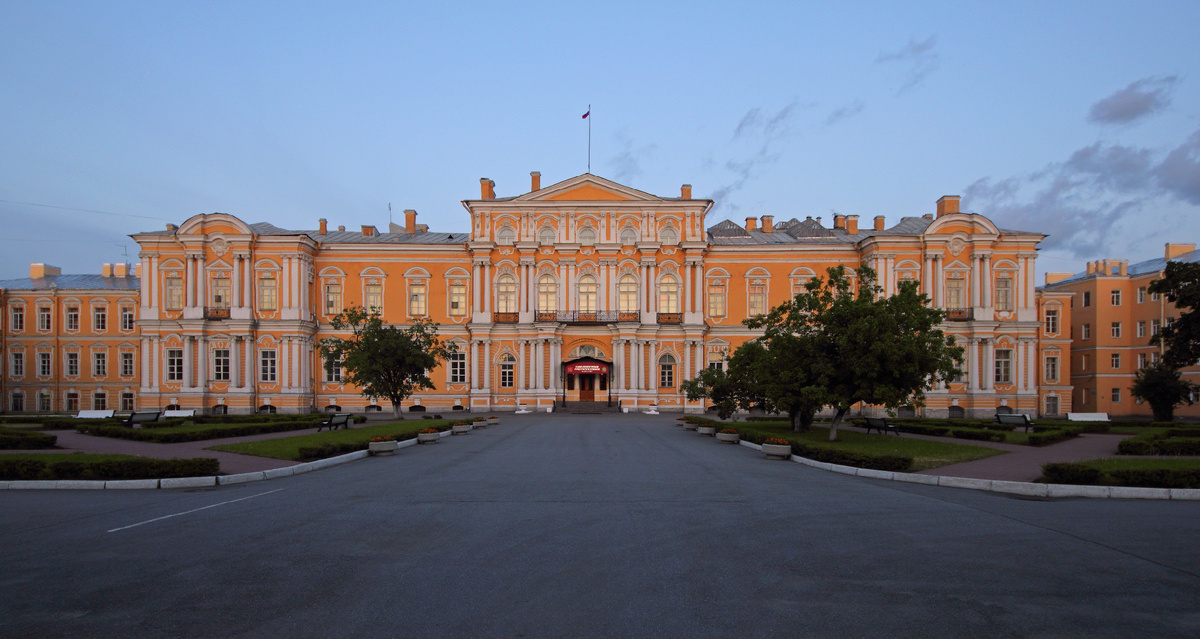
(586,368)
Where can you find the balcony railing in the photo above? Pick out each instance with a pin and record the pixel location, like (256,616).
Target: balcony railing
(590,317)
(545,316)
(670,318)
(216,312)
(629,317)
(960,314)
(504,318)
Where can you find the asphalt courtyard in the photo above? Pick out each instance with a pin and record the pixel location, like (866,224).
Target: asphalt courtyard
(592,526)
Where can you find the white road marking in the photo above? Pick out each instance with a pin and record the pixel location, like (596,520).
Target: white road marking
(150,521)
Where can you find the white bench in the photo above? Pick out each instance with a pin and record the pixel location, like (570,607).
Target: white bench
(94,414)
(189,412)
(1087,417)
(522,409)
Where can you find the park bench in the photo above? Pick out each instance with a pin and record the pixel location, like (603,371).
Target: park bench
(188,412)
(140,417)
(1087,417)
(1015,419)
(880,424)
(341,420)
(94,414)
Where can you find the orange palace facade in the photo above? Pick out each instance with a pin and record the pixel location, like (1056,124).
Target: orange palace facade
(583,291)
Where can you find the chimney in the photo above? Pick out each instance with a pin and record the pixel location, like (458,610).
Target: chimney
(768,223)
(120,269)
(852,224)
(879,222)
(927,216)
(322,226)
(341,227)
(39,269)
(839,221)
(106,270)
(1051,278)
(487,189)
(1091,268)
(751,224)
(410,220)
(947,204)
(137,269)
(1121,268)
(535,180)
(369,231)
(172,228)
(685,191)
(1175,250)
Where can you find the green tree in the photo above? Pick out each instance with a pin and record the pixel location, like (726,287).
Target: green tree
(385,360)
(838,344)
(1181,284)
(1164,388)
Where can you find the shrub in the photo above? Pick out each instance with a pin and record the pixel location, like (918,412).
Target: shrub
(161,436)
(1173,441)
(19,469)
(330,449)
(1051,436)
(16,439)
(1078,473)
(1070,474)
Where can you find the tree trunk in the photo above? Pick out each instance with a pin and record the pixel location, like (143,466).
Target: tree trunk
(397,408)
(837,421)
(801,421)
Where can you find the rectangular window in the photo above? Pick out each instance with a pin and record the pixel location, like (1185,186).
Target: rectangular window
(1116,395)
(1052,321)
(1141,360)
(72,402)
(99,319)
(1083,362)
(1141,329)
(100,401)
(956,297)
(72,364)
(1141,295)
(716,365)
(716,300)
(45,405)
(458,300)
(126,364)
(17,318)
(1052,369)
(126,401)
(757,300)
(458,368)
(173,293)
(373,297)
(1154,327)
(1153,358)
(333,370)
(666,376)
(1116,297)
(43,318)
(333,298)
(44,364)
(174,364)
(1116,329)
(72,318)
(99,365)
(1087,298)
(220,292)
(1051,405)
(17,364)
(17,404)
(1116,361)
(266,366)
(416,299)
(1087,331)
(1004,294)
(267,300)
(1154,297)
(126,318)
(221,364)
(506,374)
(1003,366)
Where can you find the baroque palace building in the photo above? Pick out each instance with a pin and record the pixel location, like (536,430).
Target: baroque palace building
(583,291)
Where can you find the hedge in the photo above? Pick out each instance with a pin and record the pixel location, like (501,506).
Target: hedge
(161,436)
(828,455)
(24,469)
(330,449)
(1076,473)
(1173,441)
(16,439)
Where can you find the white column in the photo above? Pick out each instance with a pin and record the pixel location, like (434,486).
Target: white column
(187,362)
(191,282)
(698,281)
(572,293)
(687,361)
(201,280)
(235,282)
(474,362)
(653,289)
(476,302)
(986,290)
(247,280)
(144,282)
(522,284)
(155,366)
(520,364)
(652,367)
(890,268)
(602,288)
(700,359)
(976,267)
(552,368)
(487,288)
(202,362)
(989,371)
(298,288)
(972,367)
(1031,282)
(927,284)
(939,281)
(538,378)
(248,380)
(305,293)
(1019,366)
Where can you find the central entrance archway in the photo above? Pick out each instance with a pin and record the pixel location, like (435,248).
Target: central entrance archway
(587,380)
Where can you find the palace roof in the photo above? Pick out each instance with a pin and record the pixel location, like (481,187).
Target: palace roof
(72,283)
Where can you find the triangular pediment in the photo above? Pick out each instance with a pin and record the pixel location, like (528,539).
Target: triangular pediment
(587,188)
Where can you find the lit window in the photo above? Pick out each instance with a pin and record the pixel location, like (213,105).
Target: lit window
(757,300)
(1141,295)
(373,297)
(627,293)
(416,298)
(174,364)
(333,298)
(267,293)
(587,294)
(506,294)
(1052,369)
(668,295)
(220,291)
(956,297)
(1004,294)
(716,300)
(458,300)
(547,294)
(1141,329)
(173,287)
(666,372)
(1003,366)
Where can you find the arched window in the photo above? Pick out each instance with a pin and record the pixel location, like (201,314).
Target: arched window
(547,294)
(587,294)
(668,294)
(508,365)
(628,236)
(627,289)
(547,235)
(506,294)
(505,235)
(668,235)
(587,236)
(666,371)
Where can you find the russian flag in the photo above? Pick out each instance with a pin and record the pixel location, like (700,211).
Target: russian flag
(585,115)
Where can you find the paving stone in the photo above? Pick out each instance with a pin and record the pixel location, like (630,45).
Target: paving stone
(131,484)
(240,478)
(187,482)
(914,478)
(875,474)
(1020,488)
(964,482)
(1128,492)
(1069,490)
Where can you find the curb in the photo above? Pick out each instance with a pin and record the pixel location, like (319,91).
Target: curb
(197,482)
(1027,489)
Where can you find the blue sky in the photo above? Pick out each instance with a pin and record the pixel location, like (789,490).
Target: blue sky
(1079,120)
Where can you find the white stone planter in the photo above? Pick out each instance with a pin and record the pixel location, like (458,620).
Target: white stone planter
(707,430)
(460,429)
(492,421)
(383,448)
(777,451)
(691,425)
(428,438)
(729,438)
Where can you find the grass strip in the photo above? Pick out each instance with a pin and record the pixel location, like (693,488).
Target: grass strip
(334,443)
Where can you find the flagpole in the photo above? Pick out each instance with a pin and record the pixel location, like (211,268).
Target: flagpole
(589,138)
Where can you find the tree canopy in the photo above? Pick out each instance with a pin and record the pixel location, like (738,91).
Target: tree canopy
(837,344)
(1181,284)
(1163,387)
(384,360)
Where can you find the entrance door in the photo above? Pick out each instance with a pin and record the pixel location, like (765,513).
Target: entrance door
(587,388)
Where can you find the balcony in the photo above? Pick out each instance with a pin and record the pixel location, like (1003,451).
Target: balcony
(591,317)
(504,318)
(629,317)
(216,313)
(670,318)
(960,314)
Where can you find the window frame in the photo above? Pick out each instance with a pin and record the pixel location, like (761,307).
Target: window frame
(173,364)
(1002,369)
(221,364)
(268,366)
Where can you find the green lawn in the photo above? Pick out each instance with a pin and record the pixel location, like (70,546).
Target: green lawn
(925,454)
(289,447)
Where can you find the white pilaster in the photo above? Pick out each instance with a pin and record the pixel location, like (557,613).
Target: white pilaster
(187,362)
(202,362)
